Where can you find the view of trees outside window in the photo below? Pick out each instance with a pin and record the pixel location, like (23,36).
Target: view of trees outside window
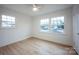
(55,24)
(44,23)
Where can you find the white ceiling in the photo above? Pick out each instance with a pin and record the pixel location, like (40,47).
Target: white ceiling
(44,8)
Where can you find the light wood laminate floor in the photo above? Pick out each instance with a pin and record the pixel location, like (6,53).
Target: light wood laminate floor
(34,46)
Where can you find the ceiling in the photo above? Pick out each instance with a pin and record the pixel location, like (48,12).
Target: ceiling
(44,8)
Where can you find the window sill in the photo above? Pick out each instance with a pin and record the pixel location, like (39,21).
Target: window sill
(51,32)
(7,28)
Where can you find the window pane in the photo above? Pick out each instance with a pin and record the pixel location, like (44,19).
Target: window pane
(44,23)
(57,24)
(4,25)
(12,18)
(3,17)
(13,22)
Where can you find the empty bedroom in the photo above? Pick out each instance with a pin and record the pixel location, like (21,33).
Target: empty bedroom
(39,29)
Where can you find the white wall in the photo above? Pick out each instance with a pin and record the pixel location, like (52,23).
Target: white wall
(65,38)
(76,27)
(22,30)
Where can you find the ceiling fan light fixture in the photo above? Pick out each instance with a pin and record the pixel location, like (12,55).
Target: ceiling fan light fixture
(35,9)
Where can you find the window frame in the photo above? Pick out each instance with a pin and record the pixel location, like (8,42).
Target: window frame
(49,27)
(8,26)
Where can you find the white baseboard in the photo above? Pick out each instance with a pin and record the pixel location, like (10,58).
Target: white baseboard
(43,38)
(11,42)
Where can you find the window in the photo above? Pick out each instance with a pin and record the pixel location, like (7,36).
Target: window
(8,21)
(44,23)
(55,24)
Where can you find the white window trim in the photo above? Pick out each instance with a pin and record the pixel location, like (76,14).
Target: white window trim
(49,27)
(7,26)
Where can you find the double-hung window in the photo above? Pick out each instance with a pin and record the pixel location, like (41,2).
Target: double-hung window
(54,24)
(8,22)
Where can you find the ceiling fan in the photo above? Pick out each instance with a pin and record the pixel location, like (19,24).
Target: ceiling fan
(35,7)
